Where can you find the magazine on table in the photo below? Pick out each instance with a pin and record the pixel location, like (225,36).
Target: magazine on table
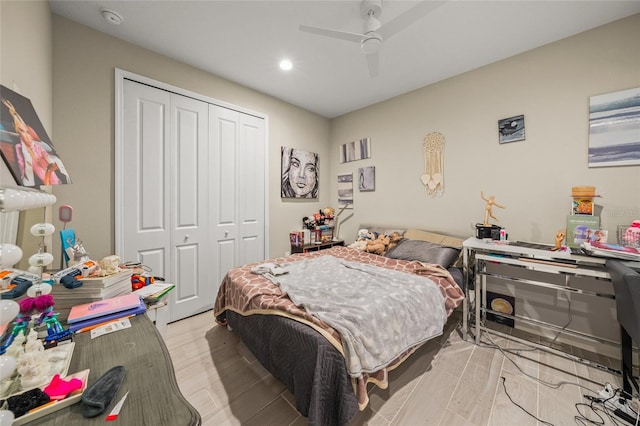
(615,251)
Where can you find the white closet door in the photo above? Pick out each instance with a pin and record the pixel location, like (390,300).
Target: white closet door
(145,199)
(164,219)
(189,171)
(237,184)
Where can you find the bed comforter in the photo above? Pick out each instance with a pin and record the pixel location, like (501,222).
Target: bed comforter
(249,294)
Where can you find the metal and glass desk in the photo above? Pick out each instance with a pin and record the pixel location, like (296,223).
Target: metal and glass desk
(481,255)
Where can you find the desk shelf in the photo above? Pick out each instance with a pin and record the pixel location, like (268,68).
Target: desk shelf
(315,247)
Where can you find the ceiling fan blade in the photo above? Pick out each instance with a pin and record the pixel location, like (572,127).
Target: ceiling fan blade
(343,35)
(407,18)
(373,59)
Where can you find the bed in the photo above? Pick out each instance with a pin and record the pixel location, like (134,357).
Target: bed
(324,360)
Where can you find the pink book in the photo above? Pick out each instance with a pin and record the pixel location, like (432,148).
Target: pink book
(103,307)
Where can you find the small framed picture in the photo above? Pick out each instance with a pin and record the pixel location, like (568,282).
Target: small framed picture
(511,129)
(345,190)
(367,178)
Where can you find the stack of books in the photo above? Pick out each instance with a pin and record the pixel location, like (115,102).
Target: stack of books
(91,290)
(155,293)
(102,311)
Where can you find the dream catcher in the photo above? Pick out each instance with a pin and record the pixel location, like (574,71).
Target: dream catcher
(433,177)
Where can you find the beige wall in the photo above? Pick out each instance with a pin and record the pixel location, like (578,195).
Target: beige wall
(551,86)
(25,67)
(83,70)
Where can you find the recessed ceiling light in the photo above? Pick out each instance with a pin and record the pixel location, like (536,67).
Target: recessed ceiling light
(111,16)
(285,65)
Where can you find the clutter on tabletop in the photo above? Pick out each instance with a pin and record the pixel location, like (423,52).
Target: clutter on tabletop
(33,365)
(631,235)
(58,393)
(317,228)
(582,200)
(486,230)
(74,251)
(36,313)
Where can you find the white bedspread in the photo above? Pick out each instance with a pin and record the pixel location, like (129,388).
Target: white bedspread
(379,313)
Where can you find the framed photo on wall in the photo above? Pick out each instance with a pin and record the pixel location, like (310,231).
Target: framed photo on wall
(355,150)
(299,178)
(345,190)
(24,144)
(511,129)
(367,178)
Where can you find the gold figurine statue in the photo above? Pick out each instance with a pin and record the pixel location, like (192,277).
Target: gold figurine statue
(559,239)
(488,213)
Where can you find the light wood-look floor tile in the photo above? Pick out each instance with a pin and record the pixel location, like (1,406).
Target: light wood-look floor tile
(449,381)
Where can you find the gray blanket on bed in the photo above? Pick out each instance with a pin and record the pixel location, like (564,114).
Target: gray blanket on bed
(379,313)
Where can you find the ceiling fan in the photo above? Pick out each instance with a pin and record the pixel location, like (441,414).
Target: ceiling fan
(374,31)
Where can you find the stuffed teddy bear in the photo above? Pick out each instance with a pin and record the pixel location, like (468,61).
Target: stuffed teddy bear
(360,245)
(394,239)
(361,242)
(379,245)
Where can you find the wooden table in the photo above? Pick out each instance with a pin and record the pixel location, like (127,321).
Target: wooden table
(154,397)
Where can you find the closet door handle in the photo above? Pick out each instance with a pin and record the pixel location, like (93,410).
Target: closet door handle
(226,234)
(186,237)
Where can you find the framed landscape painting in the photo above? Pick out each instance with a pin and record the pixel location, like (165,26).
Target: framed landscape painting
(345,190)
(614,129)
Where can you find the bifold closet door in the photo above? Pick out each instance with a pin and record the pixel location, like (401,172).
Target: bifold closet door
(237,200)
(166,167)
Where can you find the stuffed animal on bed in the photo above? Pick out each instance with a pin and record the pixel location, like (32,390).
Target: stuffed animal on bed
(361,242)
(394,239)
(379,245)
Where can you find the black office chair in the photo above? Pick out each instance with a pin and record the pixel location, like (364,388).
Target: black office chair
(626,284)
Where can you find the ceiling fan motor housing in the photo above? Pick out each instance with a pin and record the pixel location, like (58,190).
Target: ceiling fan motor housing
(371,44)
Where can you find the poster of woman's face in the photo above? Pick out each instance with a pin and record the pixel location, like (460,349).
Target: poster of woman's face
(25,145)
(299,174)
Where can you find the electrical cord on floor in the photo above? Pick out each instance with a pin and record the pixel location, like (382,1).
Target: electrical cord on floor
(505,352)
(504,386)
(599,405)
(569,314)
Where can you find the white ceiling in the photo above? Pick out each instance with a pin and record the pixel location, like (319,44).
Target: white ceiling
(243,41)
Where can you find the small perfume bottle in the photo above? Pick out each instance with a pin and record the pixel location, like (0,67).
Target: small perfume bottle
(503,234)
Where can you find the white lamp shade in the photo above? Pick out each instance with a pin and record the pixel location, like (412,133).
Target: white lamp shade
(9,309)
(42,229)
(7,366)
(10,254)
(41,259)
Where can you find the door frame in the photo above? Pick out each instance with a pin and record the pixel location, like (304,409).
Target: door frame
(119,150)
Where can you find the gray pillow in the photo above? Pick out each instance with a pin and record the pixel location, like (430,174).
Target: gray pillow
(424,251)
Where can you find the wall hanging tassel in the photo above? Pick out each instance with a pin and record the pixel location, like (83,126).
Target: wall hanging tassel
(433,177)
